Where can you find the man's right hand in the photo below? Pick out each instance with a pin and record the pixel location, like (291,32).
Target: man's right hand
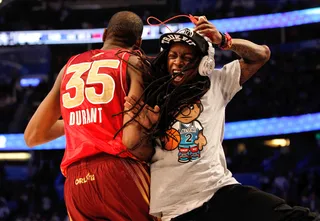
(206,28)
(148,115)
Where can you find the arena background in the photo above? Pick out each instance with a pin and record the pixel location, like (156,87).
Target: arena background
(273,124)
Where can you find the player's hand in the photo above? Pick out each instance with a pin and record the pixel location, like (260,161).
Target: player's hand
(206,28)
(148,115)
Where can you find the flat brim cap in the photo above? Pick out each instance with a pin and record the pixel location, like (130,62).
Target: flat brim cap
(186,35)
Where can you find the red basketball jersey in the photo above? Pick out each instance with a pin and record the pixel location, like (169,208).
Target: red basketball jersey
(92,93)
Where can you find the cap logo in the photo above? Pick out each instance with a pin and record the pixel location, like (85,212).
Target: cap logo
(186,31)
(177,38)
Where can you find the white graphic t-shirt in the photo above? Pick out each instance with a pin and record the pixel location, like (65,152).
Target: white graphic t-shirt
(191,167)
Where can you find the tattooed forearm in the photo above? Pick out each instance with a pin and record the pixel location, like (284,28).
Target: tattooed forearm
(249,51)
(253,57)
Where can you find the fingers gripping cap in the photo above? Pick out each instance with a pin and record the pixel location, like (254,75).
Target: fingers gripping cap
(186,35)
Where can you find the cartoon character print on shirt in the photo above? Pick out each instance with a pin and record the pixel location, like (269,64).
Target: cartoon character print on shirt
(186,134)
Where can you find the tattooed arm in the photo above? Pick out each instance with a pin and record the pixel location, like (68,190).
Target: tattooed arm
(253,57)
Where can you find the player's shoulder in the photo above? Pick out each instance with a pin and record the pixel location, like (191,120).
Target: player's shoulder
(133,58)
(135,62)
(78,57)
(89,54)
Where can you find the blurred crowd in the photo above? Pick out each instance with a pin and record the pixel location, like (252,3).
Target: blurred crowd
(36,195)
(291,172)
(285,86)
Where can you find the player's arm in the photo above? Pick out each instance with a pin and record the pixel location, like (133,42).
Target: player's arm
(253,56)
(45,125)
(134,137)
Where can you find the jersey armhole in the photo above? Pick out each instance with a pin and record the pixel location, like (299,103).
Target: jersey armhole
(123,73)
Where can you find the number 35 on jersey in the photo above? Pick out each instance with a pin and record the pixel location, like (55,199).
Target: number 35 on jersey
(86,90)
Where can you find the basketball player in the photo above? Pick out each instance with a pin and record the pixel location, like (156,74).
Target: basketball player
(106,177)
(198,187)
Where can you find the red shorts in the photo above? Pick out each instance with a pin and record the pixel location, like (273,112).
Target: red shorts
(105,187)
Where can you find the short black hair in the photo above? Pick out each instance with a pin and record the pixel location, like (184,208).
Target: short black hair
(126,26)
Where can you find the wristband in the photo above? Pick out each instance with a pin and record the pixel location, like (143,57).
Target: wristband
(226,42)
(223,39)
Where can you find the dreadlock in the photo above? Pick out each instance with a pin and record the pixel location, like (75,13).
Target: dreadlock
(159,90)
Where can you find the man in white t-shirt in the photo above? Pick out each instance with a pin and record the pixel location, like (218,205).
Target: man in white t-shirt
(189,176)
(182,184)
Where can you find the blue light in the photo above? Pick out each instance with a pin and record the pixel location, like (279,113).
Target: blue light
(27,82)
(248,23)
(313,11)
(272,126)
(233,130)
